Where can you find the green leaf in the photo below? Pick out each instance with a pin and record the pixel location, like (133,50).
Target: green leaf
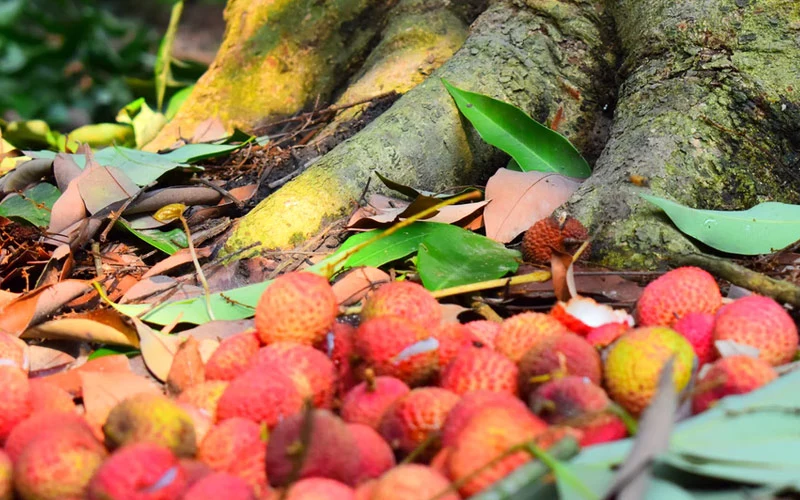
(531,144)
(764,228)
(163,71)
(169,241)
(10,10)
(176,101)
(458,257)
(145,122)
(195,152)
(114,350)
(28,206)
(102,134)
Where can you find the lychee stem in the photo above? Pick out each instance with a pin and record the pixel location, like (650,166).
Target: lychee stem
(369,379)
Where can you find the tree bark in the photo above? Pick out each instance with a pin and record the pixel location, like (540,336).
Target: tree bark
(540,57)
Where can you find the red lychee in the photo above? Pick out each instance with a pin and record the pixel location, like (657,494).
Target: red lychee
(263,394)
(40,425)
(298,307)
(676,294)
(375,454)
(603,336)
(728,376)
(473,402)
(236,446)
(204,396)
(417,417)
(483,331)
(698,329)
(540,239)
(143,471)
(451,337)
(600,427)
(318,488)
(232,357)
(565,398)
(367,402)
(406,300)
(220,485)
(558,356)
(409,481)
(49,397)
(521,332)
(391,345)
(15,405)
(339,345)
(480,368)
(311,371)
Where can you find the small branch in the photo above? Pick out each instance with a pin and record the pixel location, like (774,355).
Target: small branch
(223,192)
(534,277)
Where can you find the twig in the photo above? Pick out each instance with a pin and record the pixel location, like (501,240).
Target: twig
(225,193)
(534,277)
(486,311)
(116,214)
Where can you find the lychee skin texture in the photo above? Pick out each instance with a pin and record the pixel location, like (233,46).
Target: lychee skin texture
(565,398)
(759,322)
(41,425)
(404,299)
(318,488)
(387,344)
(559,355)
(235,446)
(675,294)
(451,337)
(698,329)
(204,396)
(340,348)
(375,454)
(6,477)
(49,397)
(416,417)
(483,331)
(367,402)
(471,404)
(605,335)
(312,372)
(480,368)
(487,435)
(151,418)
(634,363)
(15,405)
(141,471)
(217,486)
(330,452)
(540,239)
(263,395)
(232,357)
(58,468)
(298,307)
(728,376)
(521,332)
(409,481)
(596,428)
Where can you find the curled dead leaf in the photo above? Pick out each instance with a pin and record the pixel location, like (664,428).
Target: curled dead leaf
(101,326)
(187,368)
(34,307)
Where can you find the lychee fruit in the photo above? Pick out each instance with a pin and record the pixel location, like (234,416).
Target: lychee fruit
(318,488)
(15,405)
(451,338)
(151,418)
(413,481)
(634,363)
(263,395)
(14,352)
(565,398)
(728,376)
(480,368)
(219,485)
(232,357)
(473,402)
(204,396)
(59,467)
(195,470)
(375,454)
(6,477)
(367,402)
(393,346)
(311,371)
(521,332)
(41,425)
(298,307)
(323,442)
(486,437)
(759,322)
(49,397)
(675,294)
(339,345)
(698,329)
(558,356)
(237,446)
(483,331)
(365,489)
(605,335)
(404,299)
(540,239)
(582,314)
(417,417)
(143,471)
(599,427)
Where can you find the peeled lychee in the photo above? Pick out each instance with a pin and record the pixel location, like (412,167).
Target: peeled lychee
(480,368)
(675,294)
(375,454)
(15,405)
(151,418)
(558,356)
(59,467)
(473,402)
(311,371)
(236,446)
(367,402)
(483,331)
(521,332)
(565,398)
(759,322)
(143,471)
(408,481)
(329,451)
(232,357)
(317,488)
(417,417)
(728,376)
(394,346)
(204,396)
(263,394)
(298,307)
(582,314)
(41,425)
(219,485)
(404,299)
(634,363)
(698,329)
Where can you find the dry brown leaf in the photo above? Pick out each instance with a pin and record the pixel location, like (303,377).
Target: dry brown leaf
(188,195)
(65,170)
(68,210)
(518,199)
(210,129)
(158,349)
(451,312)
(357,283)
(102,391)
(219,330)
(101,326)
(101,186)
(187,367)
(207,348)
(562,275)
(6,297)
(32,308)
(70,380)
(179,258)
(46,360)
(147,288)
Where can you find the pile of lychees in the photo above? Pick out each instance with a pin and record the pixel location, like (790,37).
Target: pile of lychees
(306,406)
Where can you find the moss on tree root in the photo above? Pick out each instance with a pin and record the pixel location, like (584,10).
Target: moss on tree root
(541,57)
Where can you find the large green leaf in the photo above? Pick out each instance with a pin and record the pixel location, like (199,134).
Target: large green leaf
(458,257)
(168,241)
(195,152)
(531,144)
(34,205)
(176,101)
(765,228)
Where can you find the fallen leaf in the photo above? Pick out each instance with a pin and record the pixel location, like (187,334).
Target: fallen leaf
(102,186)
(147,288)
(518,199)
(210,129)
(102,391)
(158,349)
(70,380)
(6,297)
(219,330)
(179,258)
(101,326)
(32,308)
(562,275)
(68,210)
(46,360)
(451,312)
(357,283)
(187,367)
(65,170)
(188,195)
